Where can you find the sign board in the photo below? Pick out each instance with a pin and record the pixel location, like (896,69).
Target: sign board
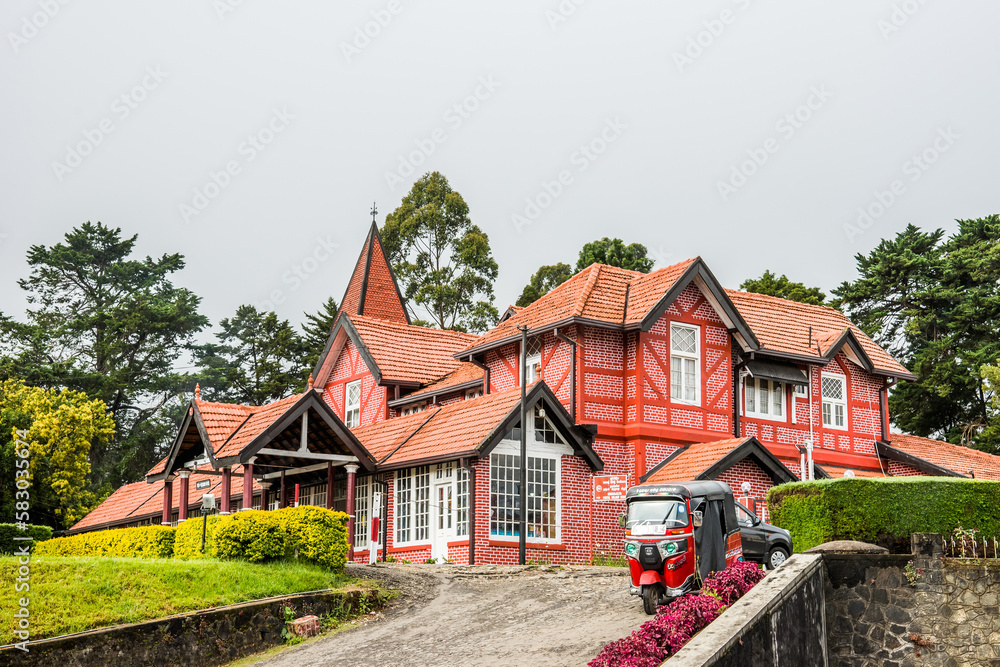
(607,488)
(376,513)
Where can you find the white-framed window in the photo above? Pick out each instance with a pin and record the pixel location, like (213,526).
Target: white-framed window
(462,503)
(473,393)
(413,494)
(542,519)
(362,503)
(352,411)
(684,362)
(413,409)
(834,401)
(801,390)
(533,359)
(544,430)
(764,398)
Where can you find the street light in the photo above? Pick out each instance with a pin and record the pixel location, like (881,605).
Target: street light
(207,503)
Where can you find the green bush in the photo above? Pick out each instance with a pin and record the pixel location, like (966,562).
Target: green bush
(140,542)
(309,533)
(317,534)
(883,511)
(8,531)
(187,541)
(253,535)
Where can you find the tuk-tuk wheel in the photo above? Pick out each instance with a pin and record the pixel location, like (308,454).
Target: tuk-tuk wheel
(650,599)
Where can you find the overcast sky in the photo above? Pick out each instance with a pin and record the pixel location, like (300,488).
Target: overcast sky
(252,137)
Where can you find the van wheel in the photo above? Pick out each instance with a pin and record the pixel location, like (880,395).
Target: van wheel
(776,558)
(650,599)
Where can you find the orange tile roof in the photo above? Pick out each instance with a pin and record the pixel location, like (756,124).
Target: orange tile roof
(458,428)
(466,372)
(694,460)
(260,418)
(222,419)
(957,458)
(410,353)
(783,326)
(597,293)
(139,500)
(645,291)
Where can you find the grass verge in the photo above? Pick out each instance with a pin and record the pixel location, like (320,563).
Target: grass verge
(75,594)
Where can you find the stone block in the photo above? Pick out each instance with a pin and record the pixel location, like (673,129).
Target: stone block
(306,626)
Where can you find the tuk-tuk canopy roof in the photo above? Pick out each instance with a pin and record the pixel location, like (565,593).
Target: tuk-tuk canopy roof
(708,489)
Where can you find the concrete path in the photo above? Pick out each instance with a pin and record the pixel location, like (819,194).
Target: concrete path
(483,615)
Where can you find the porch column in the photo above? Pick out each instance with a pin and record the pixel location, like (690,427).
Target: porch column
(182,502)
(247,486)
(168,500)
(351,471)
(227,486)
(282,497)
(265,496)
(329,485)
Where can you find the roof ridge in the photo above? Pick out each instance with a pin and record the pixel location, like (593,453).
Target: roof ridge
(806,306)
(584,296)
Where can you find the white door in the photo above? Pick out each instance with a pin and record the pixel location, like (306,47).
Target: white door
(443,522)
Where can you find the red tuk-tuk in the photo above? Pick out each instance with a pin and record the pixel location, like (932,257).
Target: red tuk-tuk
(676,535)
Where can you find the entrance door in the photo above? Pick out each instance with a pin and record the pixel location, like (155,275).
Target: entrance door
(443,521)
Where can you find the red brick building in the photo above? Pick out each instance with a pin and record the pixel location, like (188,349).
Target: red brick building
(664,376)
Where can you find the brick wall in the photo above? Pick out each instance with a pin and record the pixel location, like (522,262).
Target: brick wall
(748,471)
(348,368)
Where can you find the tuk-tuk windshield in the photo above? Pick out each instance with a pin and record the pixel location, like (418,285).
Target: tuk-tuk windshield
(655,517)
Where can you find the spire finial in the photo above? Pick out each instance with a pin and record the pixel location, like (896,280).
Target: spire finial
(197,391)
(374,211)
(310,380)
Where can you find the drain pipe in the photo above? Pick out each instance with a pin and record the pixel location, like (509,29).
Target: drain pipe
(572,371)
(810,474)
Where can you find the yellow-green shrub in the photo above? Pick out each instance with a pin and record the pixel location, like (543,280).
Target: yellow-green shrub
(8,531)
(140,542)
(187,540)
(317,534)
(253,535)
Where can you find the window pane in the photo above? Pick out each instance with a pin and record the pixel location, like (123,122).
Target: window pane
(765,395)
(833,387)
(840,415)
(779,399)
(683,339)
(826,414)
(675,377)
(751,392)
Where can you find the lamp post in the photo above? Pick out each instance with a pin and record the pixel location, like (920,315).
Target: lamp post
(207,503)
(522,527)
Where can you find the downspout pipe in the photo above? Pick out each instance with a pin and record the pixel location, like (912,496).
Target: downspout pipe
(572,371)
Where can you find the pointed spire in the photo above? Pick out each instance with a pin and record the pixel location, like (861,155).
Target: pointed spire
(310,380)
(197,391)
(372,290)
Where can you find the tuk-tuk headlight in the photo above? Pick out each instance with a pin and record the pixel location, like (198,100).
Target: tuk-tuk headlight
(670,548)
(631,549)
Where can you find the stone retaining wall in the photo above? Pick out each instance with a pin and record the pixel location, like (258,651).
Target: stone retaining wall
(202,638)
(948,617)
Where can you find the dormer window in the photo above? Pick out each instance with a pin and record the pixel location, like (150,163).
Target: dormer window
(473,393)
(413,409)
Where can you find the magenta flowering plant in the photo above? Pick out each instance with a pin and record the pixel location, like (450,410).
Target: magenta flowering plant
(731,584)
(676,623)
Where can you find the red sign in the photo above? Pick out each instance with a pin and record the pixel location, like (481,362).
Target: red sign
(610,487)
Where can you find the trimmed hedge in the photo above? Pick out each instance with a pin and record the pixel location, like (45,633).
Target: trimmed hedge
(883,511)
(140,542)
(310,533)
(8,531)
(187,539)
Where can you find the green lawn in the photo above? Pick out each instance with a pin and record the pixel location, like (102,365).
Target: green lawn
(74,594)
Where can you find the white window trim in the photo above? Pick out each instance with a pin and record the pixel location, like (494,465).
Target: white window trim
(347,406)
(452,477)
(413,504)
(413,409)
(473,393)
(685,355)
(532,360)
(759,415)
(538,450)
(834,402)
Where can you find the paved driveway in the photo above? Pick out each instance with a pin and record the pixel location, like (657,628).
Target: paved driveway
(483,615)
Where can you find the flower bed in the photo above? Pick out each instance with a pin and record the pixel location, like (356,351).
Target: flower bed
(676,623)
